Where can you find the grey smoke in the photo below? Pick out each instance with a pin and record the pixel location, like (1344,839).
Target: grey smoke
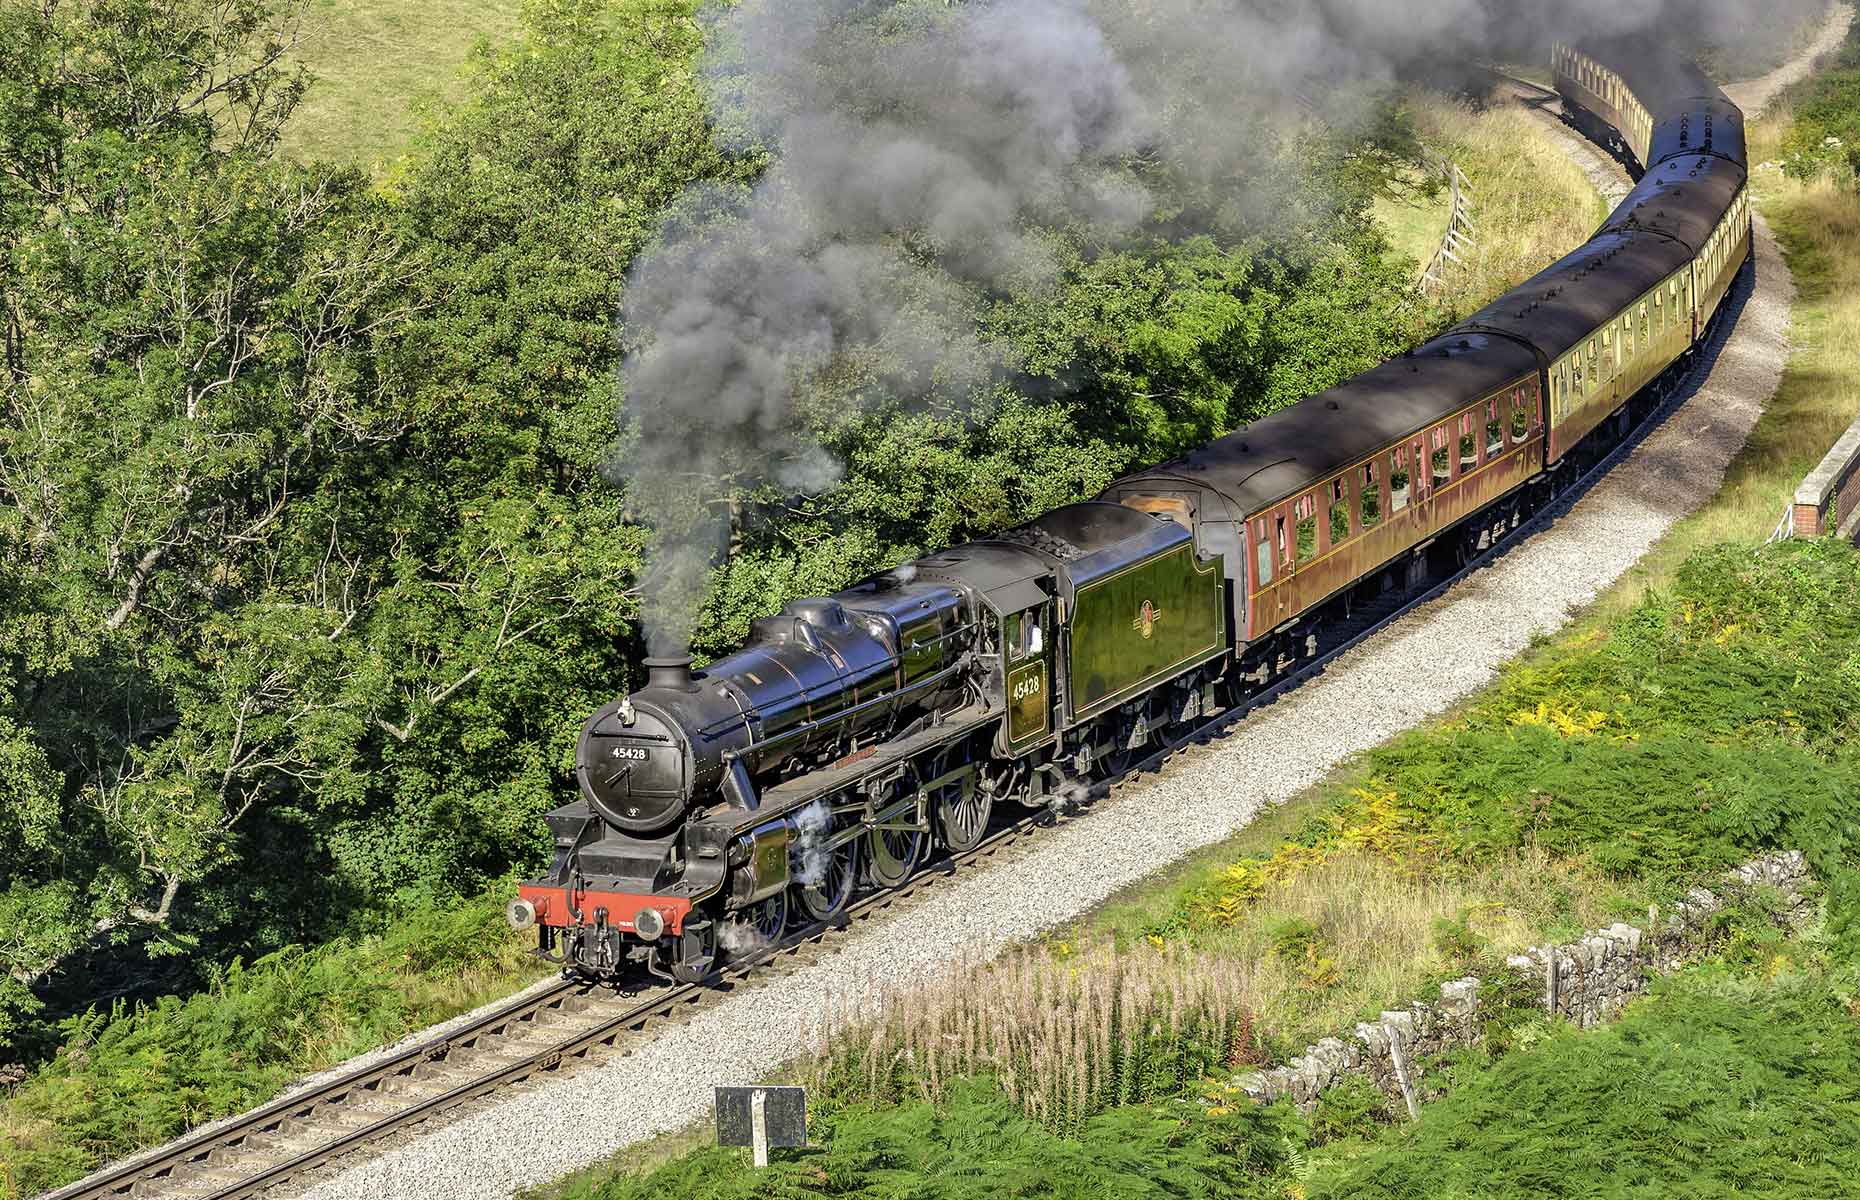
(919,146)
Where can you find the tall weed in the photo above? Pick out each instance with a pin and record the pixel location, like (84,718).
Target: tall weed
(1066,1037)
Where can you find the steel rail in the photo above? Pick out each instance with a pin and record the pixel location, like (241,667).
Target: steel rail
(290,1115)
(120,1179)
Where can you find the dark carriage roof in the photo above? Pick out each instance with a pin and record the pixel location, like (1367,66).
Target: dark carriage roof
(1683,198)
(1566,302)
(1691,113)
(1704,126)
(1648,238)
(1301,446)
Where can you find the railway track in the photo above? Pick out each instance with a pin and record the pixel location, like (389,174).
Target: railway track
(556,1028)
(271,1148)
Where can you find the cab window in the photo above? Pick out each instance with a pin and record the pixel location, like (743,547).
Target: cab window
(1011,637)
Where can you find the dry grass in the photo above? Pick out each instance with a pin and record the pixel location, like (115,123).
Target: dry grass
(1818,225)
(1109,1014)
(1531,204)
(1356,932)
(374,61)
(1066,1035)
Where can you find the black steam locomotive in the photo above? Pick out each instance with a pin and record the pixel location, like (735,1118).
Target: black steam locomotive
(854,731)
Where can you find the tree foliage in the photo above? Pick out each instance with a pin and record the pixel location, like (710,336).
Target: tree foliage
(309,566)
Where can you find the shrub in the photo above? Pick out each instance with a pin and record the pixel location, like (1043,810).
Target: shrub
(1713,1087)
(135,1076)
(976,1143)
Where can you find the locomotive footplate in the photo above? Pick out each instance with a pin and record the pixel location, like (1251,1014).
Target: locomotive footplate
(797,793)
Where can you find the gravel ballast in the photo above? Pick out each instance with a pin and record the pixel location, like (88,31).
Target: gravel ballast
(1414,669)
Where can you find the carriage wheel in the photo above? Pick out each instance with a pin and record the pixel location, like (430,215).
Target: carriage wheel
(827,885)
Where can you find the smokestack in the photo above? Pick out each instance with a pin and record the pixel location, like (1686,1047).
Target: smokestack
(671,673)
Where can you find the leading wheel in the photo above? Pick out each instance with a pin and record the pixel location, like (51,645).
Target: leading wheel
(757,928)
(695,952)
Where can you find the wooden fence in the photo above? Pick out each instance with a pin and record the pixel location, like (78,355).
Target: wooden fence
(1462,232)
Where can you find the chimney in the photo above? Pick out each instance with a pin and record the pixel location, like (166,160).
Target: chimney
(673,674)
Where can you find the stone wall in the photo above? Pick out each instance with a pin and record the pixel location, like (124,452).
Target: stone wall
(1594,977)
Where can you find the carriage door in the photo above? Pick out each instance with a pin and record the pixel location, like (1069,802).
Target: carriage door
(1027,639)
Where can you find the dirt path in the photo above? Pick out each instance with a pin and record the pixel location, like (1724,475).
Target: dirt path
(1755,95)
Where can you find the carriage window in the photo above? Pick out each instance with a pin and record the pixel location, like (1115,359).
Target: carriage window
(1494,431)
(1441,469)
(1339,512)
(1306,512)
(1285,549)
(1520,416)
(1398,480)
(1469,445)
(1372,498)
(1264,547)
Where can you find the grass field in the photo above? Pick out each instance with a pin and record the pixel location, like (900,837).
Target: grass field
(376,62)
(1530,203)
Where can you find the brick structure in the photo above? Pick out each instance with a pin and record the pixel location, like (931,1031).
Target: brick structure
(1829,497)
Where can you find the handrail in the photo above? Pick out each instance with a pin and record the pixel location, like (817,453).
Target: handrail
(730,756)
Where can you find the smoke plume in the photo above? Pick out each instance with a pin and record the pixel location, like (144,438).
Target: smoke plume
(918,149)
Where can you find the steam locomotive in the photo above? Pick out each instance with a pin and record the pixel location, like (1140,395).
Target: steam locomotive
(854,732)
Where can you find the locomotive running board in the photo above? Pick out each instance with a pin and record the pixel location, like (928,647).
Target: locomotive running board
(785,798)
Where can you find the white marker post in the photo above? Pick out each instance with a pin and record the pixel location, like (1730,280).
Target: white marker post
(759,1126)
(762,1116)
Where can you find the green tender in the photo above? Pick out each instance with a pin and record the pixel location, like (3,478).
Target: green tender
(1142,624)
